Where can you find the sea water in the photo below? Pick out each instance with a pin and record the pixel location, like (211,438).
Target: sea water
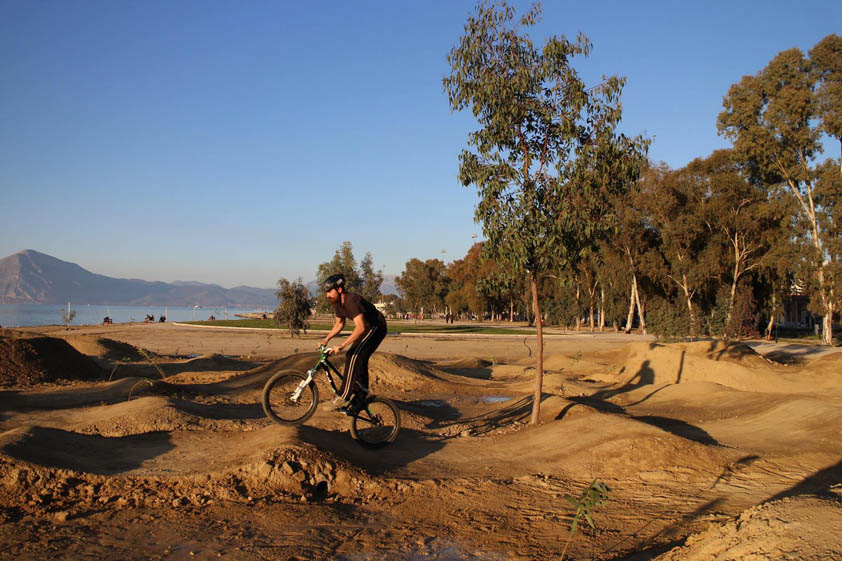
(20,315)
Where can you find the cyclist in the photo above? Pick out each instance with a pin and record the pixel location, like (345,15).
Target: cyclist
(369,331)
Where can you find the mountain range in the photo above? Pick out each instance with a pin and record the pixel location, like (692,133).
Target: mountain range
(31,277)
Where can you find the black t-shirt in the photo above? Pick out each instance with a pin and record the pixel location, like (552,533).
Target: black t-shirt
(355,305)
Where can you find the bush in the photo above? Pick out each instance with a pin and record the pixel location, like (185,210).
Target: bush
(667,321)
(295,306)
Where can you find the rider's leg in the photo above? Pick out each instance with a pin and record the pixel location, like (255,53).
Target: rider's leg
(356,361)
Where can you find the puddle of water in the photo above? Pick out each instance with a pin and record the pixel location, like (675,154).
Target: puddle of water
(431,403)
(496,399)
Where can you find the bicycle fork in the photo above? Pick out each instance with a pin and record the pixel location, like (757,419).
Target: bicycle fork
(304,383)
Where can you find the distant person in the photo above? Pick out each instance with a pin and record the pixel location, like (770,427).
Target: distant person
(212,318)
(162,319)
(107,320)
(369,331)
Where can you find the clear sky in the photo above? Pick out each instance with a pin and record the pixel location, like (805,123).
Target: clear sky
(239,142)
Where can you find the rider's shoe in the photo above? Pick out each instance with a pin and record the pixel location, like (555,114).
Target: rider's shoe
(356,404)
(338,404)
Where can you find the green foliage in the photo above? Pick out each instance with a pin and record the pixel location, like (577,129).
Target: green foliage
(294,306)
(423,285)
(546,154)
(592,496)
(668,321)
(362,279)
(370,279)
(776,119)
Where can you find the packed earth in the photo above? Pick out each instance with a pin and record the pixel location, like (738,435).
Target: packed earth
(142,441)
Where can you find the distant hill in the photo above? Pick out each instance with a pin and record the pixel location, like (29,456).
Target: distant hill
(31,277)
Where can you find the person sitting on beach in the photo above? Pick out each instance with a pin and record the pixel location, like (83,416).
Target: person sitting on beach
(107,320)
(369,331)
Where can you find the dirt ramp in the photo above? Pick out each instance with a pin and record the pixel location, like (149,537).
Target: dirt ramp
(110,392)
(142,415)
(29,360)
(735,366)
(805,528)
(390,373)
(106,349)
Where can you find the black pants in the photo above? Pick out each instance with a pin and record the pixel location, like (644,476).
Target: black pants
(356,361)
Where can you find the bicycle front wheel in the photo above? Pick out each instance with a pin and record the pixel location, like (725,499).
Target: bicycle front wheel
(377,424)
(288,400)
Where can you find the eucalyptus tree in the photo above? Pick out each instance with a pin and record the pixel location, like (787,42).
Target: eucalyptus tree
(740,211)
(370,280)
(675,205)
(423,285)
(344,262)
(541,130)
(826,59)
(635,242)
(774,119)
(361,278)
(294,306)
(465,293)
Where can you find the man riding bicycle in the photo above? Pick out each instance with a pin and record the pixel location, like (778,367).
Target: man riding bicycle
(369,331)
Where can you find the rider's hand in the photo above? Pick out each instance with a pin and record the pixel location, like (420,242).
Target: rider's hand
(334,350)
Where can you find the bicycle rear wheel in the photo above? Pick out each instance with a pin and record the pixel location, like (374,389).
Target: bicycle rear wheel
(279,403)
(377,424)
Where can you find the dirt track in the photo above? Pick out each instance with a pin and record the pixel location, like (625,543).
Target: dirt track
(716,443)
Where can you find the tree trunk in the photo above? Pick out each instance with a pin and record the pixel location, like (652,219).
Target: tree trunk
(689,299)
(601,309)
(539,358)
(736,278)
(512,310)
(827,324)
(630,317)
(641,311)
(771,324)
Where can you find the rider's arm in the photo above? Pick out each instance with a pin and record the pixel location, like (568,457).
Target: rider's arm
(359,330)
(338,325)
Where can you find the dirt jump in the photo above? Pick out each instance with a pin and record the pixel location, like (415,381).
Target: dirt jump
(149,442)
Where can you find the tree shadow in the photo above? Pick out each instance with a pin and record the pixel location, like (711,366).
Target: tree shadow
(671,532)
(90,453)
(819,483)
(645,376)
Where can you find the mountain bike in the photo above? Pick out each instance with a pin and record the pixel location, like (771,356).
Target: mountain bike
(290,397)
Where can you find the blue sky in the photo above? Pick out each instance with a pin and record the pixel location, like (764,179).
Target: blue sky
(239,142)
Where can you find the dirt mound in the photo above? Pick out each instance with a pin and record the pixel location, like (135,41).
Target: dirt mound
(106,349)
(211,363)
(48,469)
(390,372)
(830,364)
(805,528)
(733,365)
(110,392)
(26,361)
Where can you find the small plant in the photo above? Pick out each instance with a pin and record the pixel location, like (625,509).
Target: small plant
(148,357)
(594,495)
(67,317)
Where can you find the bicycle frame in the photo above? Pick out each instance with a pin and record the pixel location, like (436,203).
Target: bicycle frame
(323,364)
